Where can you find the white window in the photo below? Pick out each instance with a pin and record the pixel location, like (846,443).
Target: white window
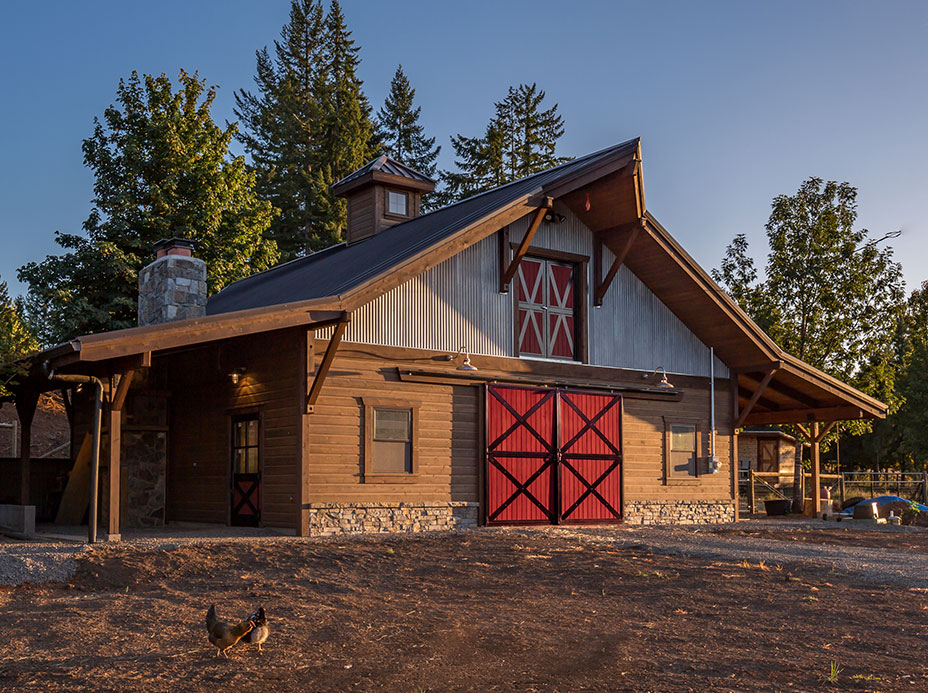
(398,203)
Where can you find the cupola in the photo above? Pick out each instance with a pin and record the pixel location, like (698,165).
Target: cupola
(381,194)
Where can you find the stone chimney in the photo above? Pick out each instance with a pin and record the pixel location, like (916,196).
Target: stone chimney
(173,287)
(380,195)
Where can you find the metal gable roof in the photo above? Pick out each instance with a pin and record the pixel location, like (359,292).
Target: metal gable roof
(385,164)
(340,268)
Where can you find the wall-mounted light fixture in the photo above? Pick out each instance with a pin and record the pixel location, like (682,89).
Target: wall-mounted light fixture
(466,365)
(236,374)
(553,217)
(663,382)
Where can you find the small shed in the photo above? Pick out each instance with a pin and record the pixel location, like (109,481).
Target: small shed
(769,451)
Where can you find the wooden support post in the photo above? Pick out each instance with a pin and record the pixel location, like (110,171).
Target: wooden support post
(325,365)
(735,464)
(115,463)
(26,402)
(816,480)
(524,245)
(117,401)
(309,370)
(751,499)
(925,487)
(841,490)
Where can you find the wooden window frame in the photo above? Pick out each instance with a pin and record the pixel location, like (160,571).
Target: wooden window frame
(386,204)
(369,475)
(688,480)
(581,291)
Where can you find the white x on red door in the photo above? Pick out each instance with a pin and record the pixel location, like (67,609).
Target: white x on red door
(547,308)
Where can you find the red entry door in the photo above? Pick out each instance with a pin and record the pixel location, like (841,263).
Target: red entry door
(553,456)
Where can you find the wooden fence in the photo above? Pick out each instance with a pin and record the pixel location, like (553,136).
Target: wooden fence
(911,485)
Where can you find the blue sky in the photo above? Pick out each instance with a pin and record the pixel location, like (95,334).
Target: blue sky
(736,102)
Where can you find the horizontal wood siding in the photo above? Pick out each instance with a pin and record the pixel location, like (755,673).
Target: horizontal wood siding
(643,446)
(458,303)
(447,437)
(202,403)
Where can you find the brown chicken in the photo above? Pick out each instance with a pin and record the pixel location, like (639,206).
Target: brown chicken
(225,635)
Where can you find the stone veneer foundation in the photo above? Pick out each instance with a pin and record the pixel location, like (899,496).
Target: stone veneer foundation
(691,512)
(326,519)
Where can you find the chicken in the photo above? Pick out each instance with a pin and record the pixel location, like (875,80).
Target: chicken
(258,635)
(225,635)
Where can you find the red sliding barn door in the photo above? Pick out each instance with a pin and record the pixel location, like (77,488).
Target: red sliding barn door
(591,457)
(552,456)
(520,455)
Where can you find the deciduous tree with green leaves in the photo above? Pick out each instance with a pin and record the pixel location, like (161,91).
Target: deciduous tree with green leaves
(832,295)
(520,140)
(162,168)
(16,341)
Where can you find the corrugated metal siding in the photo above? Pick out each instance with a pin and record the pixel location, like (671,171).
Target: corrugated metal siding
(458,303)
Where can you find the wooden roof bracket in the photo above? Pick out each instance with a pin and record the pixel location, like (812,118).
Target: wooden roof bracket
(815,439)
(756,396)
(326,364)
(602,283)
(118,398)
(510,272)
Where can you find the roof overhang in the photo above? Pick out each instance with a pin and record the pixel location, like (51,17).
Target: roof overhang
(607,196)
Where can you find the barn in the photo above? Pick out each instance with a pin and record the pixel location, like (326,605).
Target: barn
(541,353)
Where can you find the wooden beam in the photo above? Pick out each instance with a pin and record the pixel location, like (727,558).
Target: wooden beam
(122,389)
(756,396)
(826,430)
(794,416)
(115,466)
(803,399)
(762,401)
(327,359)
(506,279)
(602,286)
(505,252)
(27,400)
(755,368)
(816,470)
(804,431)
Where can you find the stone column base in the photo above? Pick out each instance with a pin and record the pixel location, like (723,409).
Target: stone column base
(327,519)
(691,512)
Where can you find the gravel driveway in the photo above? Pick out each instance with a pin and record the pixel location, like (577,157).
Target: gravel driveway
(41,561)
(879,566)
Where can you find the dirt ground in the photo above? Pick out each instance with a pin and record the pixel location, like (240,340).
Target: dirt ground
(480,611)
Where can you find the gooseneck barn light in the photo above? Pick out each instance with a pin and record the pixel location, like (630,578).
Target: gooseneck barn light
(663,382)
(466,365)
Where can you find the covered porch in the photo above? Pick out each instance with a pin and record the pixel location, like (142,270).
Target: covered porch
(790,392)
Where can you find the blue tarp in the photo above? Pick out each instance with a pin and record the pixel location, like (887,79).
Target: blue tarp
(885,500)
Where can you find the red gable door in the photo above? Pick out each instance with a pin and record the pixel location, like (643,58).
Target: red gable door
(547,309)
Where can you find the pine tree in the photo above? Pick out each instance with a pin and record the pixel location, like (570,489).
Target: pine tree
(402,135)
(160,164)
(520,140)
(349,138)
(280,126)
(308,126)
